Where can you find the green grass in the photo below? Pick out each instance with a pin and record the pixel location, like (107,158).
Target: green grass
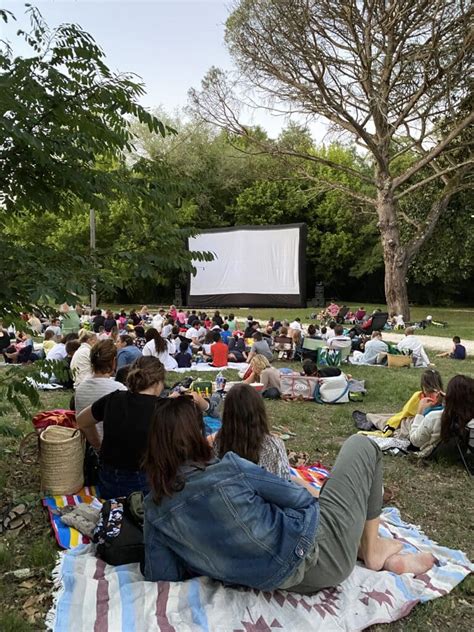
(437,497)
(460,320)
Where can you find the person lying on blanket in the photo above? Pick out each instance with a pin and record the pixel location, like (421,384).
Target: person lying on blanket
(262,371)
(431,385)
(245,430)
(126,417)
(233,521)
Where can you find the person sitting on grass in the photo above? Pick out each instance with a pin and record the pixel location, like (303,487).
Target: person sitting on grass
(412,343)
(104,362)
(458,352)
(277,534)
(49,341)
(435,424)
(261,371)
(126,417)
(21,351)
(81,363)
(261,347)
(246,431)
(184,358)
(372,349)
(160,348)
(237,351)
(128,352)
(219,351)
(226,333)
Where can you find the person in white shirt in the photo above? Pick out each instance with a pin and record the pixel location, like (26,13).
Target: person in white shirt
(296,324)
(54,327)
(161,348)
(413,344)
(158,320)
(372,349)
(81,367)
(103,361)
(339,340)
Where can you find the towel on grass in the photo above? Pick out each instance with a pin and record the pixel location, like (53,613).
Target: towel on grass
(68,537)
(204,366)
(91,595)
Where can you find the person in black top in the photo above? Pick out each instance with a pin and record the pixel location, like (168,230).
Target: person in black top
(310,369)
(217,319)
(126,417)
(109,321)
(98,320)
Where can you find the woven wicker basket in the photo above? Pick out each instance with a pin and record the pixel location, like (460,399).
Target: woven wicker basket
(398,360)
(61,460)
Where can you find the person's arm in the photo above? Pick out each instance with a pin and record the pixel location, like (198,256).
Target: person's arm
(161,563)
(87,423)
(251,378)
(421,428)
(275,490)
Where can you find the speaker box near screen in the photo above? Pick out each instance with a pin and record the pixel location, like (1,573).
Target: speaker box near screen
(252,266)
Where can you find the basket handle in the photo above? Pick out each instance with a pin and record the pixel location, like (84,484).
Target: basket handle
(25,449)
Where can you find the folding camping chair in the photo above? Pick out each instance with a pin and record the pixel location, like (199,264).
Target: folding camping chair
(309,348)
(283,347)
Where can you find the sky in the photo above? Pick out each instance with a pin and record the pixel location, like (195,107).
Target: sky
(170,44)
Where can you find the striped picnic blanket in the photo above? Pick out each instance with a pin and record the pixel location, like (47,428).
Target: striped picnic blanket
(315,474)
(92,596)
(67,537)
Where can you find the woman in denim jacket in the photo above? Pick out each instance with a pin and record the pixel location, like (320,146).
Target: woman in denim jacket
(231,520)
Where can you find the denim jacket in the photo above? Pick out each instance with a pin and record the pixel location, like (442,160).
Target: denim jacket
(232,521)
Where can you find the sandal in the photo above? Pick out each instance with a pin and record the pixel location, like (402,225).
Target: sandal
(11,520)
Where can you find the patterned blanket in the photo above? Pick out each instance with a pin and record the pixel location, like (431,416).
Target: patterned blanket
(67,537)
(92,596)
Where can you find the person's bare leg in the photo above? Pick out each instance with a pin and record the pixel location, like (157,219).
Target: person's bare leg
(375,550)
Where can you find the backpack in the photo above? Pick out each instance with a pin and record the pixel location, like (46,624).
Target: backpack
(119,531)
(298,386)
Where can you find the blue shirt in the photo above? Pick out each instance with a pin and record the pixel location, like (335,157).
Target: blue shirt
(127,355)
(225,335)
(232,521)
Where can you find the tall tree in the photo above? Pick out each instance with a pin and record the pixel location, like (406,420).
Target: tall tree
(387,74)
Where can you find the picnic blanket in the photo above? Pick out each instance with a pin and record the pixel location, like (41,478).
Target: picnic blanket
(90,595)
(313,474)
(67,537)
(205,366)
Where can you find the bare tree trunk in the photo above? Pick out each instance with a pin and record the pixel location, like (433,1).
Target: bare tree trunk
(394,252)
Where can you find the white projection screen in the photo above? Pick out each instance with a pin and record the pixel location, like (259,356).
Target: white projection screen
(252,266)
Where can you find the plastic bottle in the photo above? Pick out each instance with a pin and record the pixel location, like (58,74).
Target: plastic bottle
(220,382)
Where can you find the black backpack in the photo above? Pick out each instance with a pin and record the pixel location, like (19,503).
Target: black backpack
(119,532)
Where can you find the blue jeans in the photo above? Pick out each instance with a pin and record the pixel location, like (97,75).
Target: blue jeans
(114,482)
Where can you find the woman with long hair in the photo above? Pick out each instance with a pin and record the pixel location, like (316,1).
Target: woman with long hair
(231,520)
(126,417)
(435,424)
(160,348)
(245,430)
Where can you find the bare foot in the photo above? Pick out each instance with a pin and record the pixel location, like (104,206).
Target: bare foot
(383,548)
(415,563)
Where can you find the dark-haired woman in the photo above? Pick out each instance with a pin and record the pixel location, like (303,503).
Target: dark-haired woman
(245,430)
(161,348)
(126,417)
(231,520)
(434,424)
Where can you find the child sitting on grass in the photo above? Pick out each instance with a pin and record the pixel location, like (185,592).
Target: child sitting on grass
(458,351)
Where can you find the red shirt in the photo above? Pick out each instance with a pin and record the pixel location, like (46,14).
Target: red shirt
(219,353)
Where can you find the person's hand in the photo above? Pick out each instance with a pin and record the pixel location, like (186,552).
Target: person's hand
(174,394)
(425,403)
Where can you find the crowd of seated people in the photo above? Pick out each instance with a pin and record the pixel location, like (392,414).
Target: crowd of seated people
(235,485)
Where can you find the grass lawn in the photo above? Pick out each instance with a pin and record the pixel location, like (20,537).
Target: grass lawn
(439,498)
(460,320)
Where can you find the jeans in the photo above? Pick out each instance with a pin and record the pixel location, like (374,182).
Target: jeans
(114,482)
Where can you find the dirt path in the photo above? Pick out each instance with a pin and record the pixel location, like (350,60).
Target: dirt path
(433,342)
